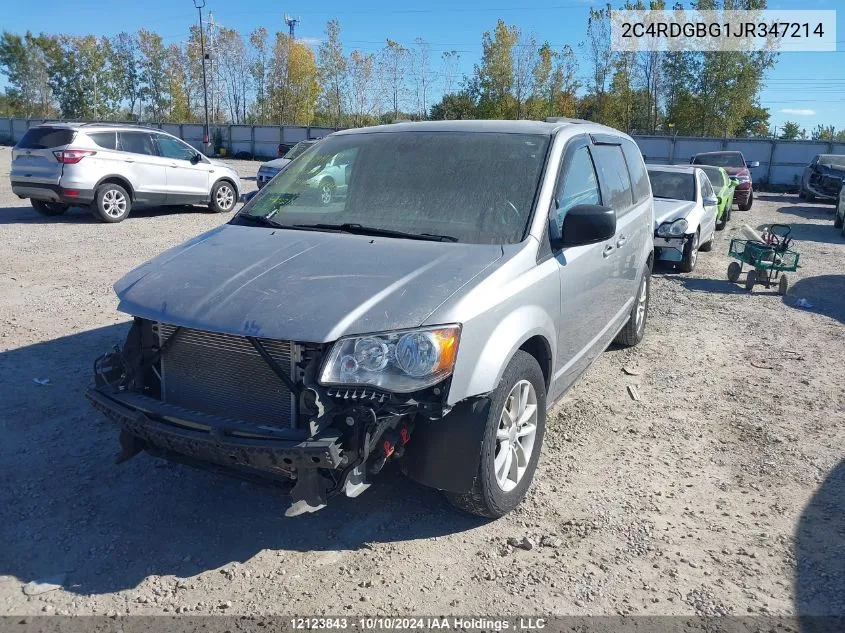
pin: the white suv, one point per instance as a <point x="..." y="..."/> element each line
<point x="112" y="167"/>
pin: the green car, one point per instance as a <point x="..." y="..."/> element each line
<point x="724" y="187"/>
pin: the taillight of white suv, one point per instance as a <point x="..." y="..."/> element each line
<point x="72" y="156"/>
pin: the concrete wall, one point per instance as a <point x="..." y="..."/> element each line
<point x="259" y="140"/>
<point x="781" y="162"/>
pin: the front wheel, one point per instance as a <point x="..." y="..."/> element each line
<point x="327" y="188"/>
<point x="49" y="208"/>
<point x="223" y="197"/>
<point x="513" y="435"/>
<point x="690" y="254"/>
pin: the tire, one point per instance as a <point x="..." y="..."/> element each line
<point x="728" y="213"/>
<point x="223" y="197"/>
<point x="634" y="329"/>
<point x="708" y="245"/>
<point x="783" y="285"/>
<point x="112" y="203"/>
<point x="809" y="197"/>
<point x="49" y="208"/>
<point x="490" y="498"/>
<point x="747" y="205"/>
<point x="802" y="195"/>
<point x="687" y="264"/>
<point x="840" y="207"/>
<point x="750" y="280"/>
<point x="326" y="190"/>
<point x="720" y="225"/>
<point x="734" y="271"/>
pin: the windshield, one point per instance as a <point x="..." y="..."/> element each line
<point x="298" y="149"/>
<point x="720" y="159"/>
<point x="672" y="185"/>
<point x="714" y="175"/>
<point x="474" y="187"/>
<point x="832" y="159"/>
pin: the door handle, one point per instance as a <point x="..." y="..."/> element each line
<point x="128" y="160"/>
<point x="174" y="165"/>
<point x="607" y="250"/>
<point x="621" y="241"/>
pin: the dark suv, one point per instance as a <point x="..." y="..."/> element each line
<point x="734" y="163"/>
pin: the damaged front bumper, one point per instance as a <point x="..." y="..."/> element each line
<point x="340" y="441"/>
<point x="671" y="249"/>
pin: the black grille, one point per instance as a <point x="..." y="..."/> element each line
<point x="224" y="375"/>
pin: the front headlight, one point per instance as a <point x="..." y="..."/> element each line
<point x="402" y="362"/>
<point x="672" y="229"/>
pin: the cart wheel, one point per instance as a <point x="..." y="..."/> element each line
<point x="734" y="271"/>
<point x="783" y="285"/>
<point x="750" y="280"/>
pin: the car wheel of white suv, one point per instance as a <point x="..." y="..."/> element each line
<point x="516" y="423"/>
<point x="222" y="197"/>
<point x="112" y="203"/>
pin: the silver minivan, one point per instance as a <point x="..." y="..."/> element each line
<point x="431" y="316"/>
<point x="111" y="167"/>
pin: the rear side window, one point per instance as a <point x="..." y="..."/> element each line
<point x="46" y="137"/>
<point x="636" y="168"/>
<point x="614" y="176"/>
<point x="106" y="140"/>
<point x="137" y="143"/>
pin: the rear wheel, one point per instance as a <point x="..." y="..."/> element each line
<point x="327" y="188"/>
<point x="513" y="435"/>
<point x="634" y="329"/>
<point x="112" y="203"/>
<point x="222" y="197"/>
<point x="747" y="205"/>
<point x="49" y="208"/>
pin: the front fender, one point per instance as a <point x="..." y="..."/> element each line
<point x="485" y="367"/>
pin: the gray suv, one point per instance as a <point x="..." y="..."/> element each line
<point x="431" y="316"/>
<point x="112" y="167"/>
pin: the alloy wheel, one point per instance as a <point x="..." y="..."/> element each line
<point x="515" y="435"/>
<point x="114" y="203"/>
<point x="225" y="197"/>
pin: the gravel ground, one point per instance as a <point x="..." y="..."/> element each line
<point x="721" y="491"/>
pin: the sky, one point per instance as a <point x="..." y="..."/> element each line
<point x="803" y="87"/>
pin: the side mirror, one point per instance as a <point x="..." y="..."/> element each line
<point x="584" y="224"/>
<point x="710" y="201"/>
<point x="734" y="182"/>
<point x="753" y="163"/>
<point x="196" y="158"/>
<point x="719" y="200"/>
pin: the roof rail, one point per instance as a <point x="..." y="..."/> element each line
<point x="565" y="119"/>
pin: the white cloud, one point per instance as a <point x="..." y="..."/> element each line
<point x="799" y="111"/>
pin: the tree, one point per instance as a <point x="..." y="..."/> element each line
<point x="420" y="58"/>
<point x="258" y="69"/>
<point x="393" y="70"/>
<point x="24" y="62"/>
<point x="453" y="106"/>
<point x="450" y="61"/>
<point x="823" y="133"/>
<point x="123" y="64"/>
<point x="233" y="67"/>
<point x="494" y="77"/>
<point x="524" y="66"/>
<point x="790" y="131"/>
<point x="332" y="70"/>
<point x="153" y="77"/>
<point x="363" y="96"/>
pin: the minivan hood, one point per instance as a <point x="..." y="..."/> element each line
<point x="299" y="285"/>
<point x="666" y="210"/>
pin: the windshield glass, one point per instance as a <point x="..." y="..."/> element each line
<point x="714" y="176"/>
<point x="474" y="187"/>
<point x="720" y="159"/>
<point x="298" y="149"/>
<point x="832" y="159"/>
<point x="672" y="185"/>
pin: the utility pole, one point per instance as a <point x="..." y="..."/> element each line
<point x="291" y="22"/>
<point x="199" y="4"/>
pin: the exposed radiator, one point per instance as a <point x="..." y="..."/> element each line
<point x="224" y="375"/>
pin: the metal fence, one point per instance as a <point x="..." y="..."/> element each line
<point x="258" y="140"/>
<point x="781" y="162"/>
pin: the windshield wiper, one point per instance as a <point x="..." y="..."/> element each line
<point x="261" y="220"/>
<point x="360" y="229"/>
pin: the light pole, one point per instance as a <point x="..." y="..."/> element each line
<point x="199" y="4"/>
